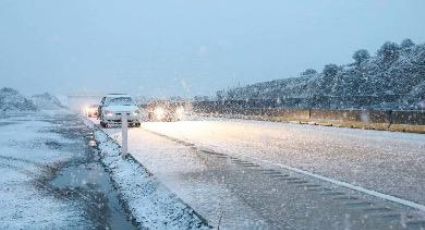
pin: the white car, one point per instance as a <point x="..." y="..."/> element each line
<point x="113" y="106"/>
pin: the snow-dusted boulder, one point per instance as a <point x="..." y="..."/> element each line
<point x="46" y="101"/>
<point x="11" y="100"/>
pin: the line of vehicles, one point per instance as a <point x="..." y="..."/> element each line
<point x="113" y="107"/>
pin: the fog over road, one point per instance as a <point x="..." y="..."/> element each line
<point x="236" y="173"/>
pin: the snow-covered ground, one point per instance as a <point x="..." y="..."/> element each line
<point x="151" y="203"/>
<point x="181" y="171"/>
<point x="52" y="178"/>
<point x="235" y="173"/>
<point x="30" y="148"/>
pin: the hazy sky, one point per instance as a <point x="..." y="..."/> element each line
<point x="187" y="47"/>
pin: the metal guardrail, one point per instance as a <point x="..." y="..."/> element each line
<point x="410" y="117"/>
<point x="328" y="102"/>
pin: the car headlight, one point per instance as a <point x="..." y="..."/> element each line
<point x="180" y="112"/>
<point x="159" y="113"/>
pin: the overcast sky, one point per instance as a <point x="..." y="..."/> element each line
<point x="187" y="47"/>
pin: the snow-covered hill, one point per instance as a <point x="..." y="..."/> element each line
<point x="11" y="100"/>
<point x="46" y="101"/>
<point x="394" y="77"/>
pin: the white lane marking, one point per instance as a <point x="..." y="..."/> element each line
<point x="394" y="199"/>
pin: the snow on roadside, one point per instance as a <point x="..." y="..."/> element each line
<point x="46" y="101"/>
<point x="11" y="100"/>
<point x="151" y="203"/>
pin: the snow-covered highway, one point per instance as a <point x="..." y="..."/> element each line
<point x="251" y="174"/>
<point x="393" y="163"/>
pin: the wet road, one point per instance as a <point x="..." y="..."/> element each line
<point x="86" y="181"/>
<point x="230" y="172"/>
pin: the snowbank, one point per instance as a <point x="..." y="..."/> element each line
<point x="151" y="203"/>
<point x="46" y="101"/>
<point x="11" y="100"/>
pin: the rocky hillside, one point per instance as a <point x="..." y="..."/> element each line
<point x="394" y="77"/>
<point x="11" y="100"/>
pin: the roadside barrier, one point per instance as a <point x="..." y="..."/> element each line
<point x="391" y="120"/>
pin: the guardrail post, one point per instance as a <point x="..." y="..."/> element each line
<point x="390" y="118"/>
<point x="124" y="135"/>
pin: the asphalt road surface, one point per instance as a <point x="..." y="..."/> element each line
<point x="285" y="176"/>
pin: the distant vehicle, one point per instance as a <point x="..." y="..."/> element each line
<point x="163" y="110"/>
<point x="91" y="111"/>
<point x="113" y="106"/>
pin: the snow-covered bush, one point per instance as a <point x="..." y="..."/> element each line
<point x="389" y="52"/>
<point x="46" y="101"/>
<point x="373" y="81"/>
<point x="361" y="55"/>
<point x="407" y="43"/>
<point x="11" y="100"/>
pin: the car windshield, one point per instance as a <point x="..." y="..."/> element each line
<point x="120" y="101"/>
